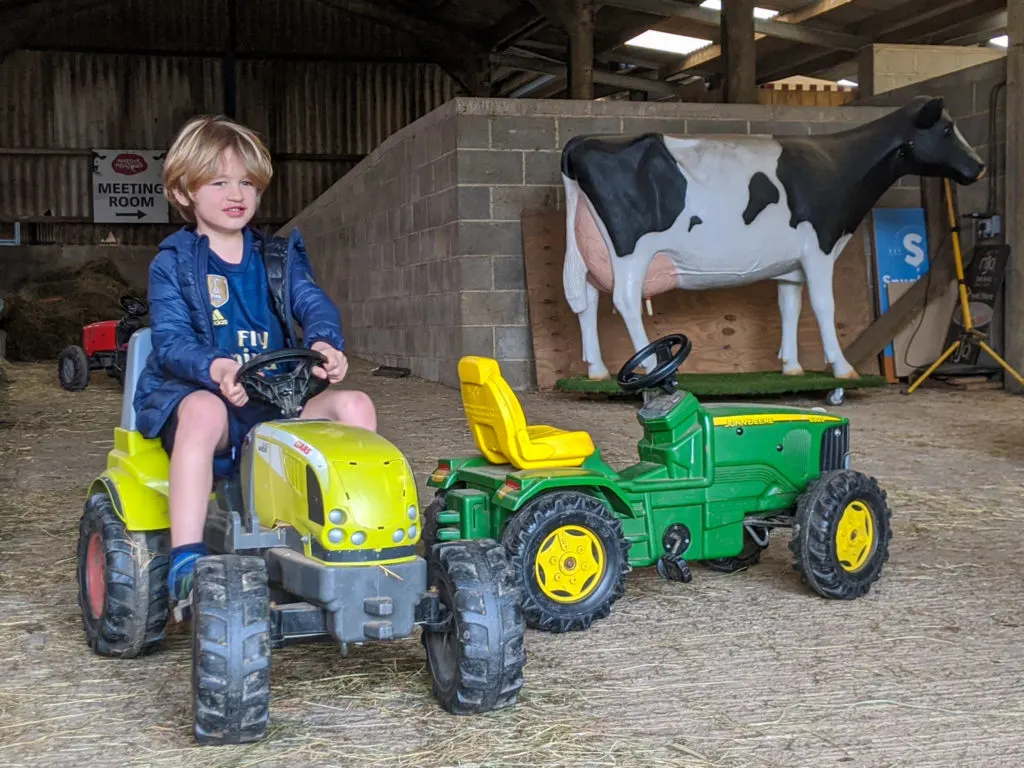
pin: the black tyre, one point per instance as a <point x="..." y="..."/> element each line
<point x="841" y="534"/>
<point x="748" y="556"/>
<point x="570" y="559"/>
<point x="230" y="650"/>
<point x="122" y="582"/>
<point x="73" y="368"/>
<point x="477" y="660"/>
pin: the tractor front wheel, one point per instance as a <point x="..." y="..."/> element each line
<point x="570" y="559"/>
<point x="841" y="534"/>
<point x="476" y="652"/>
<point x="73" y="368"/>
<point x="230" y="650"/>
<point x="122" y="582"/>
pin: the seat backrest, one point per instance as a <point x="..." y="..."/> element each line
<point x="492" y="409"/>
<point x="139" y="347"/>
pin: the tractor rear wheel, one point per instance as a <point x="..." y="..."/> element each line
<point x="476" y="658"/>
<point x="230" y="650"/>
<point x="73" y="368"/>
<point x="122" y="582"/>
<point x="570" y="559"/>
<point x="841" y="534"/>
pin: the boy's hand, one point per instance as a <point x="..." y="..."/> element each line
<point x="335" y="368"/>
<point x="223" y="372"/>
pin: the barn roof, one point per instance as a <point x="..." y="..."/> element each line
<point x="522" y="38"/>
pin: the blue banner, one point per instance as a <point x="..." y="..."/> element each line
<point x="901" y="251"/>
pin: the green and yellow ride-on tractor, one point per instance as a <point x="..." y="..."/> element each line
<point x="313" y="540"/>
<point x="711" y="483"/>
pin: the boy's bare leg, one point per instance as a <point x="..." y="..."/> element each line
<point x="202" y="431"/>
<point x="343" y="406"/>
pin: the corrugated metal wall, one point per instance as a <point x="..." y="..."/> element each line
<point x="319" y="117"/>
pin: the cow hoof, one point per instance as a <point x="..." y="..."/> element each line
<point x="851" y="374"/>
<point x="795" y="371"/>
<point x="597" y="374"/>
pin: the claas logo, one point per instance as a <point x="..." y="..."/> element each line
<point x="129" y="164"/>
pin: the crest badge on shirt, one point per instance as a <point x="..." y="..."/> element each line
<point x="217" y="286"/>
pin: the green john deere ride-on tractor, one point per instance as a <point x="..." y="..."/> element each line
<point x="711" y="483"/>
<point x="314" y="540"/>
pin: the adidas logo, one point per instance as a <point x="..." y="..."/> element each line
<point x="218" y="318"/>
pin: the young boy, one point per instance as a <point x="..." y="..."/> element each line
<point x="210" y="311"/>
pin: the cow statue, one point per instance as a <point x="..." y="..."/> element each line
<point x="649" y="213"/>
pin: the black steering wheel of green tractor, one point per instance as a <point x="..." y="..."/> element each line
<point x="287" y="389"/>
<point x="664" y="373"/>
<point x="134" y="306"/>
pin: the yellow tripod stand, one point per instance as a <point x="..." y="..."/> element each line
<point x="969" y="329"/>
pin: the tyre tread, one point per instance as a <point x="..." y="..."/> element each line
<point x="813" y="537"/>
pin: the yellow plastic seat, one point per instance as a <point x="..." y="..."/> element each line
<point x="499" y="426"/>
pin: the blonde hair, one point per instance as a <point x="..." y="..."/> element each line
<point x="194" y="158"/>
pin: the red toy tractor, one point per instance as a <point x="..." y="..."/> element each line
<point x="104" y="347"/>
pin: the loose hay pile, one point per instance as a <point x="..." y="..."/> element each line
<point x="46" y="314"/>
<point x="729" y="671"/>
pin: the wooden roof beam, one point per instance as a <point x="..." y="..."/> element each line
<point x="427" y="30"/>
<point x="986" y="15"/>
<point x="798" y="33"/>
<point x="626" y="82"/>
<point x="706" y="55"/>
<point x="887" y="27"/>
<point x="522" y="21"/>
<point x="18" y="26"/>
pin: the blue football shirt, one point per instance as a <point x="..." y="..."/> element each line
<point x="244" y="322"/>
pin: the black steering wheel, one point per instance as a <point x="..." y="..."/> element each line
<point x="134" y="306"/>
<point x="664" y="373"/>
<point x="288" y="390"/>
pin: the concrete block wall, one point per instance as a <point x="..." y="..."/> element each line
<point x="883" y="67"/>
<point x="383" y="242"/>
<point x="421" y="243"/>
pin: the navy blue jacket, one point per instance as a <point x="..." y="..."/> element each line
<point x="182" y="326"/>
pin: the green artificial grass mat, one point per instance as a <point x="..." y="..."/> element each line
<point x="714" y="384"/>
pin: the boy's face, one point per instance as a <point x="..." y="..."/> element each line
<point x="226" y="203"/>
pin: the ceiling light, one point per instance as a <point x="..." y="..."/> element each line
<point x="759" y="13"/>
<point x="1002" y="41"/>
<point x="665" y="41"/>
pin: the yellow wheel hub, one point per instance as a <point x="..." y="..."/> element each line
<point x="855" y="536"/>
<point x="570" y="564"/>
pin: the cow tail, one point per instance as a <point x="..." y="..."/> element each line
<point x="574" y="270"/>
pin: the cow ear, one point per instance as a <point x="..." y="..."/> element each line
<point x="930" y="113"/>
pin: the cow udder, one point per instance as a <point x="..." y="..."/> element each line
<point x="661" y="274"/>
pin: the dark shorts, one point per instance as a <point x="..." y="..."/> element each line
<point x="240" y="421"/>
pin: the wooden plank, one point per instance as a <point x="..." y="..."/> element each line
<point x="878" y="334"/>
<point x="733" y="330"/>
<point x="920" y="343"/>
